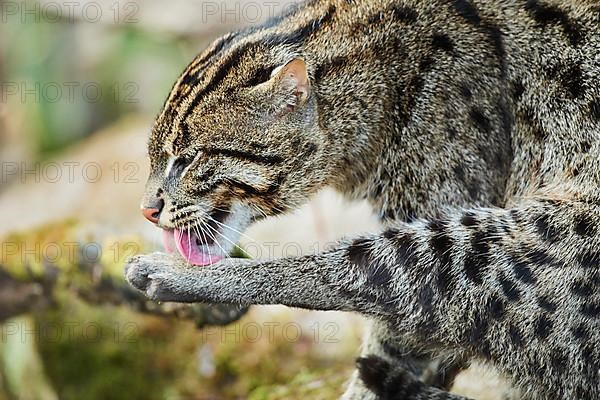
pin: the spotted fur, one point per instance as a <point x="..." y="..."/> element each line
<point x="473" y="129"/>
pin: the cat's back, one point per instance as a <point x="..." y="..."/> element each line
<point x="552" y="53"/>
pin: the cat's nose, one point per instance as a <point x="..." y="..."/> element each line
<point x="152" y="211"/>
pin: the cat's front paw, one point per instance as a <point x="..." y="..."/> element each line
<point x="141" y="271"/>
<point x="165" y="277"/>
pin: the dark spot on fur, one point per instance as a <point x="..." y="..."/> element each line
<point x="446" y="281"/>
<point x="426" y="64"/>
<point x="465" y="91"/>
<point x="469" y="219"/>
<point x="580" y="332"/>
<point x="389" y="214"/>
<point x="495" y="35"/>
<point x="459" y="172"/>
<point x="595" y="109"/>
<point x="425" y="299"/>
<point x="477" y="258"/>
<point x="391" y="348"/>
<point x="559" y="360"/>
<point x="442" y="41"/>
<point x="582" y="288"/>
<point x="584" y="226"/>
<point x="451" y="132"/>
<point x="545" y="14"/>
<point x="585" y="146"/>
<point x="518" y="90"/>
<point x="543" y="327"/>
<point x="509" y="288"/>
<point x="515" y="336"/>
<point x="542" y="259"/>
<point x="589" y="260"/>
<point x="377" y="17"/>
<point x="591" y="309"/>
<point x="546" y="230"/>
<point x="546" y="304"/>
<point x="441" y="242"/>
<point x="587" y="353"/>
<point x="507" y="122"/>
<point x="522" y="271"/>
<point x="259" y="76"/>
<point x="359" y="254"/>
<point x="404" y="14"/>
<point x="572" y="80"/>
<point x="405" y="253"/>
<point x="311" y="148"/>
<point x="331" y="66"/>
<point x="480" y="120"/>
<point x="570" y="77"/>
<point x="379" y="275"/>
<point x="258" y="145"/>
<point x="530" y="119"/>
<point x="391" y="233"/>
<point x="408" y="96"/>
<point x="478" y="329"/>
<point x="467" y="10"/>
<point x="495" y="307"/>
<point x="474" y="188"/>
<point x="575" y="171"/>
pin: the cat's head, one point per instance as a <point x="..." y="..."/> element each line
<point x="238" y="140"/>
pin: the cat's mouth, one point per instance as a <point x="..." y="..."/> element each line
<point x="208" y="239"/>
<point x="194" y="249"/>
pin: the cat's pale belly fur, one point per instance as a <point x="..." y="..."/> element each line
<point x="473" y="128"/>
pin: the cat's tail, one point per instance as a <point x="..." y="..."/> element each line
<point x="391" y="382"/>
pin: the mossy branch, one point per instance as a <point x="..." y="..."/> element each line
<point x="43" y="267"/>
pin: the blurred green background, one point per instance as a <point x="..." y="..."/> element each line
<point x="67" y="77"/>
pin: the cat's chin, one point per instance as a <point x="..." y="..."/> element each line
<point x="190" y="247"/>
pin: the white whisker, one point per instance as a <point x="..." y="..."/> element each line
<point x="217" y="243"/>
<point x="224" y="225"/>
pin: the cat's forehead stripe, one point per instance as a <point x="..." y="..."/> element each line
<point x="217" y="66"/>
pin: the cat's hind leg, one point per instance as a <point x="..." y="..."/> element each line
<point x="432" y="371"/>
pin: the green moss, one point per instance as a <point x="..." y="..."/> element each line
<point x="26" y="254"/>
<point x="54" y="242"/>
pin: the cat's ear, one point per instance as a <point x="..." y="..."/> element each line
<point x="292" y="81"/>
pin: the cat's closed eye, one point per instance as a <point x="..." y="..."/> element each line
<point x="178" y="165"/>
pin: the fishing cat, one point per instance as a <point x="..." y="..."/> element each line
<point x="473" y="129"/>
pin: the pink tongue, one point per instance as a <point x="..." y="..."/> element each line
<point x="190" y="251"/>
